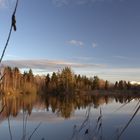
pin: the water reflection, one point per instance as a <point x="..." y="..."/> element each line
<point x="64" y="106"/>
<point x="74" y="112"/>
<point x="14" y="104"/>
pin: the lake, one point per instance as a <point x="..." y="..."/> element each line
<point x="83" y="117"/>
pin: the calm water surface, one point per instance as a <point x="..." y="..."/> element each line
<point x="80" y="118"/>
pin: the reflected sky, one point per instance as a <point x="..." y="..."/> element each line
<point x="54" y="126"/>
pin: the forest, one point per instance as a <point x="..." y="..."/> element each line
<point x="65" y="81"/>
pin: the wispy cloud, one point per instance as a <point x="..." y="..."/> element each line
<point x="76" y="43"/>
<point x="82" y="58"/>
<point x="39" y="64"/>
<point x="81" y="2"/>
<point x="6" y="3"/>
<point x="89" y="69"/>
<point x="124" y="70"/>
<point x="50" y="65"/>
<point x="94" y="45"/>
<point x="12" y="56"/>
<point x="60" y="3"/>
<point x="121" y="57"/>
<point x="129" y="74"/>
<point x="2" y="3"/>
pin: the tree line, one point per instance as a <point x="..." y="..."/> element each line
<point x="63" y="81"/>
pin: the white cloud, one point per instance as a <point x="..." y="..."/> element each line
<point x="94" y="45"/>
<point x="135" y="83"/>
<point x="76" y="43"/>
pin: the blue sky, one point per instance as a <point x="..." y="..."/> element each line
<point x="94" y="37"/>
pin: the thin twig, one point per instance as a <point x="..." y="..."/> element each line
<point x="122" y="106"/>
<point x="24" y="126"/>
<point x="99" y="122"/>
<point x="6" y="44"/>
<point x="2" y="109"/>
<point x="128" y="123"/>
<point x="101" y="136"/>
<point x="13" y="25"/>
<point x="34" y="131"/>
<point x="10" y="31"/>
<point x="74" y="132"/>
<point x="86" y="119"/>
<point x="137" y="104"/>
<point x="2" y="76"/>
<point x="10" y="128"/>
<point x="25" y="123"/>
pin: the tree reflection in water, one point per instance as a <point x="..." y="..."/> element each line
<point x="63" y="106"/>
<point x="13" y="105"/>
